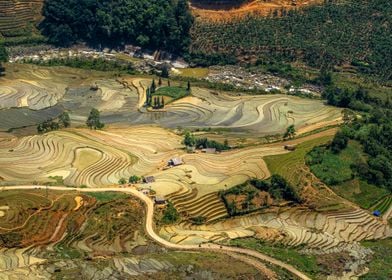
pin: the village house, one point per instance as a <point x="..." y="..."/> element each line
<point x="175" y="162"/>
<point x="209" y="150"/>
<point x="149" y="179"/>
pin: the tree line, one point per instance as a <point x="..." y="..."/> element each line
<point x="156" y="24"/>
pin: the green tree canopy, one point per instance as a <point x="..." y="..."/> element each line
<point x="157" y="24"/>
<point x="93" y="120"/>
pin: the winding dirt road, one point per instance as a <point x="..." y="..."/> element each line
<point x="249" y="255"/>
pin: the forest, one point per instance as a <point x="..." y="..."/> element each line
<point x="155" y="24"/>
<point x="353" y="32"/>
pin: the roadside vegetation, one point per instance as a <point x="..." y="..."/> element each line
<point x="170" y="214"/>
<point x="305" y="263"/>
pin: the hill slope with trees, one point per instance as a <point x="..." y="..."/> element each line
<point x="337" y="32"/>
<point x="156" y="24"/>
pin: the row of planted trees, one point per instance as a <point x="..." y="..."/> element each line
<point x="64" y="121"/>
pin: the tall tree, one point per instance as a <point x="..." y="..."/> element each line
<point x="290" y="132"/>
<point x="93" y="120"/>
<point x="64" y="120"/>
<point x="3" y="58"/>
<point x="153" y="86"/>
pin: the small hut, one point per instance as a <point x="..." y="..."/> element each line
<point x="290" y="147"/>
<point x="149" y="179"/>
<point x="175" y="162"/>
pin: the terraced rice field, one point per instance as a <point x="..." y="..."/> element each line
<point x="35" y="91"/>
<point x="320" y="232"/>
<point x="36" y="218"/>
<point x="19" y="15"/>
<point x="265" y="115"/>
<point x="384" y="206"/>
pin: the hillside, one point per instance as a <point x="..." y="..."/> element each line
<point x="224" y="10"/>
<point x="19" y="17"/>
<point x="353" y="32"/>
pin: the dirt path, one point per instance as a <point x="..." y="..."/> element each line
<point x="249" y="255"/>
<point x="141" y="91"/>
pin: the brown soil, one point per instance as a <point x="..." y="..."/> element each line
<point x="333" y="262"/>
<point x="255" y="7"/>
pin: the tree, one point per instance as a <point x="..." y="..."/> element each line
<point x="170" y="215"/>
<point x="158" y="105"/>
<point x="165" y="72"/>
<point x="153" y="24"/>
<point x="339" y="142"/>
<point x="188" y="87"/>
<point x="134" y="179"/>
<point x="290" y="132"/>
<point x="162" y="102"/>
<point x="93" y="120"/>
<point x="148" y="97"/>
<point x="153" y="86"/>
<point x="325" y="77"/>
<point x="122" y="181"/>
<point x="3" y="58"/>
<point x="189" y="139"/>
<point x="64" y="120"/>
<point x="160" y="81"/>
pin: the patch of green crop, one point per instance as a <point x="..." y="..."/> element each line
<point x="107" y="196"/>
<point x="381" y="262"/>
<point x="174" y="92"/>
<point x="305" y="263"/>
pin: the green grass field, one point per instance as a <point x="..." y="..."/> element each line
<point x="381" y="263"/>
<point x="107" y="196"/>
<point x="305" y="263"/>
<point x="174" y="92"/>
<point x="360" y="192"/>
<point x="382" y="204"/>
<point x="353" y="82"/>
<point x="332" y="168"/>
<point x="288" y="165"/>
<point x="193" y="72"/>
<point x="335" y="171"/>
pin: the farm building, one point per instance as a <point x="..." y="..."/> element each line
<point x="290" y="147"/>
<point x="160" y="200"/>
<point x="145" y="191"/>
<point x="149" y="179"/>
<point x="175" y="162"/>
<point x="209" y="150"/>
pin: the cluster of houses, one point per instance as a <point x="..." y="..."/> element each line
<point x="159" y="200"/>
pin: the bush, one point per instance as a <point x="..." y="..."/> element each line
<point x="134" y="179"/>
<point x="170" y="215"/>
<point x="339" y="142"/>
